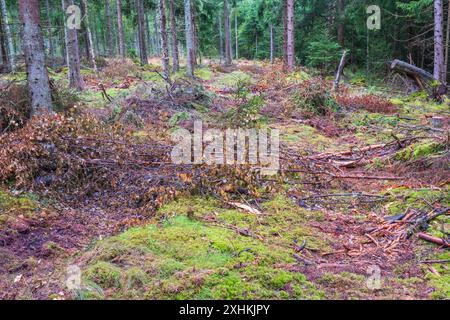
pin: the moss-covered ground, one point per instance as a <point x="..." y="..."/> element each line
<point x="201" y="247"/>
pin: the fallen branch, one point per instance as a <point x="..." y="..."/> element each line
<point x="436" y="240"/>
<point x="368" y="177"/>
<point x="434" y="261"/>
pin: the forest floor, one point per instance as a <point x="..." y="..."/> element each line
<point x="363" y="175"/>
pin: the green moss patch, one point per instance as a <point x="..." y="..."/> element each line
<point x="305" y="137"/>
<point x="195" y="250"/>
<point x="228" y="80"/>
<point x="441" y="282"/>
<point x="12" y="207"/>
<point x="403" y="198"/>
<point x="419" y="150"/>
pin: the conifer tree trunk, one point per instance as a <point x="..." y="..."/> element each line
<point x="221" y="39"/>
<point x="8" y="35"/>
<point x="290" y="43"/>
<point x="439" y="72"/>
<point x="90" y="43"/>
<point x="285" y="28"/>
<point x="271" y="44"/>
<point x="173" y="30"/>
<point x="226" y="21"/>
<point x="120" y="30"/>
<point x="33" y="47"/>
<point x="194" y="34"/>
<point x="164" y="40"/>
<point x="157" y="35"/>
<point x="147" y="34"/>
<point x="51" y="49"/>
<point x="236" y="33"/>
<point x="3" y="49"/>
<point x="341" y="23"/>
<point x="141" y="31"/>
<point x="447" y="42"/>
<point x="109" y="41"/>
<point x="189" y="38"/>
<point x="73" y="53"/>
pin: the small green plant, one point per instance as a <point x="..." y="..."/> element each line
<point x="179" y="117"/>
<point x="314" y="96"/>
<point x="64" y="97"/>
<point x="247" y="112"/>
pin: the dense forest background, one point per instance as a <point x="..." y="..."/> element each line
<point x="322" y="30"/>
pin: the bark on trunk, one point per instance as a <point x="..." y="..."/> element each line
<point x="340" y="23"/>
<point x="447" y="42"/>
<point x="157" y="36"/>
<point x="290" y="36"/>
<point x="51" y="49"/>
<point x="120" y="30"/>
<point x="271" y="44"/>
<point x="90" y="44"/>
<point x="285" y="28"/>
<point x="33" y="47"/>
<point x="439" y="72"/>
<point x="109" y="40"/>
<point x="141" y="32"/>
<point x="84" y="33"/>
<point x="173" y="30"/>
<point x="339" y="72"/>
<point x="150" y="38"/>
<point x="189" y="38"/>
<point x="256" y="47"/>
<point x="3" y="49"/>
<point x="236" y="33"/>
<point x="194" y="35"/>
<point x="411" y="70"/>
<point x="164" y="40"/>
<point x="222" y="55"/>
<point x="226" y="22"/>
<point x="11" y="57"/>
<point x="73" y="53"/>
<point x="147" y="34"/>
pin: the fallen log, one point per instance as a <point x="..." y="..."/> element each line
<point x="432" y="239"/>
<point x="411" y="70"/>
<point x="422" y="77"/>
